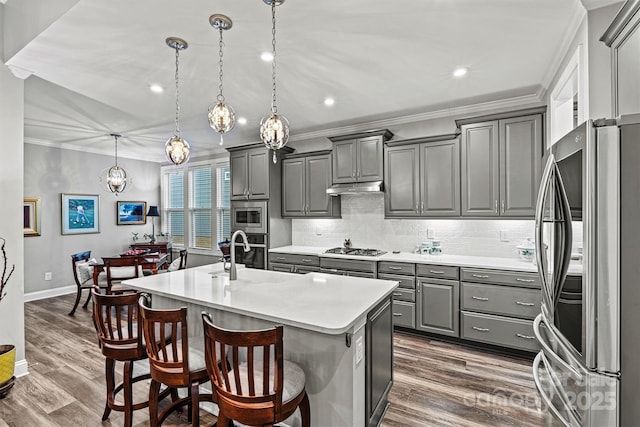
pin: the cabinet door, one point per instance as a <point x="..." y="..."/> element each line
<point x="626" y="69"/>
<point x="344" y="161"/>
<point x="369" y="155"/>
<point x="438" y="306"/>
<point x="401" y="178"/>
<point x="480" y="169"/>
<point x="318" y="179"/>
<point x="379" y="361"/>
<point x="259" y="174"/>
<point x="239" y="175"/>
<point x="520" y="164"/>
<point x="440" y="178"/>
<point x="293" y="187"/>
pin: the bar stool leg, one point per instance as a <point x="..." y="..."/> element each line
<point x="154" y="392"/>
<point x="109" y="368"/>
<point x="128" y="393"/>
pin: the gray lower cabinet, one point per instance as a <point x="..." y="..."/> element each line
<point x="499" y="330"/>
<point x="379" y="357"/>
<point x="293" y="263"/>
<point x="349" y="267"/>
<point x="404" y="296"/>
<point x="438" y="306"/>
<point x="423" y="179"/>
<point x="501" y="164"/>
<point x="304" y="187"/>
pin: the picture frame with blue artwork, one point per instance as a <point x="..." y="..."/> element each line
<point x="131" y="213"/>
<point x="80" y="213"/>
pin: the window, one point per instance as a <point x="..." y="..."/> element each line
<point x="188" y="209"/>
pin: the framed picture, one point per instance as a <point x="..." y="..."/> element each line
<point x="131" y="213"/>
<point x="31" y="216"/>
<point x="80" y="213"/>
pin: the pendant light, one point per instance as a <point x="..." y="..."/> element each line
<point x="177" y="149"/>
<point x="116" y="178"/>
<point x="222" y="117"/>
<point x="274" y="128"/>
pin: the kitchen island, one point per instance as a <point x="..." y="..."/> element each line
<point x="338" y="329"/>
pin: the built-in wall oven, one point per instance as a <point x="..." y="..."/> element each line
<point x="250" y="216"/>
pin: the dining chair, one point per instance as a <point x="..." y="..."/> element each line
<point x="253" y="383"/>
<point x="179" y="263"/>
<point x="119" y="269"/>
<point x="172" y="361"/>
<point x="116" y="319"/>
<point x="83" y="276"/>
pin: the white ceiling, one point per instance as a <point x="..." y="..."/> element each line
<point x="92" y="67"/>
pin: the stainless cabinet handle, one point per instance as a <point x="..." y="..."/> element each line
<point x="397" y="294"/>
<point x="480" y="276"/>
<point x="480" y="329"/>
<point x="333" y="270"/>
<point x="502" y="205"/>
<point x="479" y="298"/>
<point x="353" y="174"/>
<point x="496" y="206"/>
<point x="306" y="260"/>
<point x="357" y="173"/>
<point x="422" y="207"/>
<point x="397" y="314"/>
<point x="417" y="209"/>
<point x="436" y="271"/>
<point x="526" y="337"/>
<point x="525" y="280"/>
<point x="395" y="268"/>
<point x="281" y="258"/>
<point x="526" y="304"/>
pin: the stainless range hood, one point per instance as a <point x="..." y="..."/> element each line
<point x="355" y="188"/>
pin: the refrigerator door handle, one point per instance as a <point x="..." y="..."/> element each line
<point x="539" y="243"/>
<point x="566" y="239"/>
<point x="541" y="359"/>
<point x="553" y="353"/>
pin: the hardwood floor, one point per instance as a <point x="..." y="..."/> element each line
<point x="436" y="383"/>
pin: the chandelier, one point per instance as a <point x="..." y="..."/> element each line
<point x="274" y="128"/>
<point x="222" y="117"/>
<point x="116" y="178"/>
<point x="176" y="148"/>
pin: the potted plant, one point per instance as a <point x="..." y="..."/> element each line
<point x="7" y="352"/>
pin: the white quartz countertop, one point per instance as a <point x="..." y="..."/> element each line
<point x="315" y="301"/>
<point x="511" y="264"/>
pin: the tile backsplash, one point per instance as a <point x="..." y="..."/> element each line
<point x="364" y="223"/>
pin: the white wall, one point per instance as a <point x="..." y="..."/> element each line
<point x="11" y="186"/>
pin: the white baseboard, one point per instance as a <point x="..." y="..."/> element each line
<point x="21" y="369"/>
<point x="49" y="293"/>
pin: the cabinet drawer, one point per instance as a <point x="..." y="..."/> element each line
<point x="348" y="264"/>
<point x="303" y="269"/>
<point x="505" y="331"/>
<point x="505" y="300"/>
<point x="405" y="281"/>
<point x="285" y="268"/>
<point x="404" y="314"/>
<point x="397" y="268"/>
<point x="437" y="271"/>
<point x="312" y="260"/>
<point x="500" y="277"/>
<point x="408" y="295"/>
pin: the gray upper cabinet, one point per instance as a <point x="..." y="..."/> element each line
<point x="623" y="36"/>
<point x="358" y="157"/>
<point x="501" y="166"/>
<point x="423" y="179"/>
<point x="253" y="173"/>
<point x="305" y="180"/>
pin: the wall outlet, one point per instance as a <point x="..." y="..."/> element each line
<point x="318" y="232"/>
<point x="431" y="233"/>
<point x="359" y="350"/>
<point x="504" y="237"/>
<point x="47" y="275"/>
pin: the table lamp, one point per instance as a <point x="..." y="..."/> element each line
<point x="153" y="212"/>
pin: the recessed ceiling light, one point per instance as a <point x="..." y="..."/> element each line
<point x="155" y="88"/>
<point x="242" y="120"/>
<point x="459" y="72"/>
<point x="329" y="102"/>
<point x="266" y="56"/>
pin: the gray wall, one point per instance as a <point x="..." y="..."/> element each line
<point x="50" y="171"/>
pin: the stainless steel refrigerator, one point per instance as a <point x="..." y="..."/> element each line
<point x="588" y="371"/>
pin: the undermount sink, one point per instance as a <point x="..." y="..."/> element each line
<point x="252" y="275"/>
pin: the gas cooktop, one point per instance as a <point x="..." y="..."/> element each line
<point x="355" y="251"/>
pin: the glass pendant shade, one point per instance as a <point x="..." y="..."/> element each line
<point x="274" y="131"/>
<point x="177" y="150"/>
<point x="222" y="118"/>
<point x="116" y="179"/>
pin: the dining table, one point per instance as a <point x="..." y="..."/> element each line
<point x="149" y="261"/>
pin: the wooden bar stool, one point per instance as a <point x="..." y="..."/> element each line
<point x="116" y="319"/>
<point x="171" y="361"/>
<point x="261" y="391"/>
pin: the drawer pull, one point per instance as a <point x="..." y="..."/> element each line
<point x="526" y="337"/>
<point x="526" y="304"/>
<point x="395" y="268"/>
<point x="480" y="298"/>
<point x="525" y="280"/>
<point x="436" y="271"/>
<point x="397" y="314"/>
<point x="281" y="258"/>
<point x="397" y="294"/>
<point x="480" y="329"/>
<point x="306" y="260"/>
<point x="480" y="276"/>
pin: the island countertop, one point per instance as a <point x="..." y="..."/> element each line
<point x="315" y="301"/>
